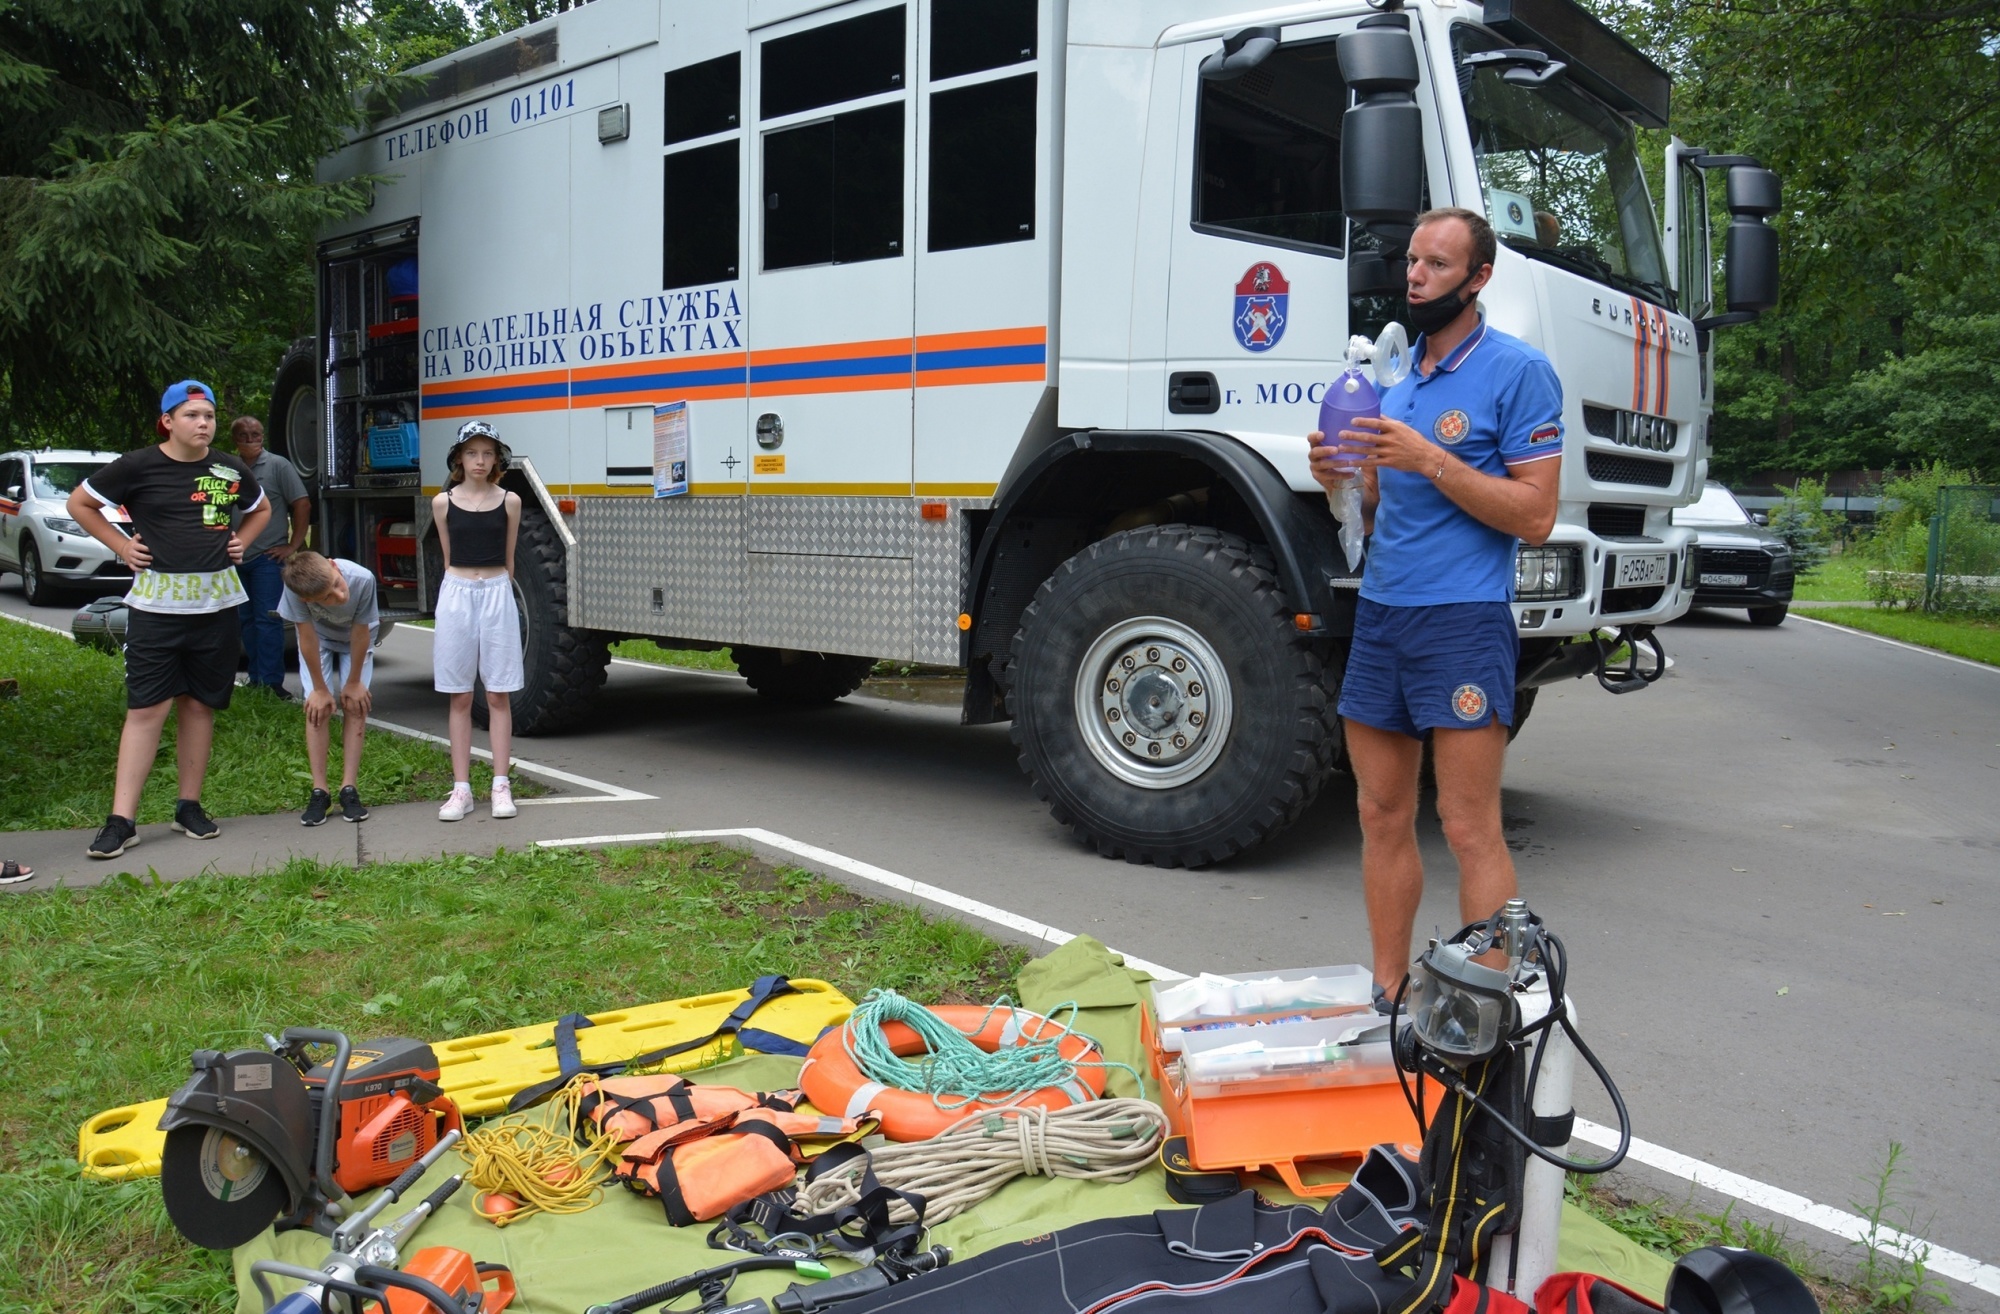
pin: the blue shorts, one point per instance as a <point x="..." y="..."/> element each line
<point x="1413" y="669"/>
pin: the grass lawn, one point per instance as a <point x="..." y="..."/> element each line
<point x="645" y="650"/>
<point x="72" y="707"/>
<point x="113" y="988"/>
<point x="1844" y="578"/>
<point x="1978" y="640"/>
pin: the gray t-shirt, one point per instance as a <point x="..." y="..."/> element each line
<point x="278" y="479"/>
<point x="334" y="624"/>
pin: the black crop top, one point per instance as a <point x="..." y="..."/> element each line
<point x="478" y="538"/>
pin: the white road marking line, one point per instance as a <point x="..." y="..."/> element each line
<point x="674" y="670"/>
<point x="606" y="793"/>
<point x="1951" y="1264"/>
<point x="1948" y="1263"/>
<point x="1898" y="643"/>
<point x="1049" y="935"/>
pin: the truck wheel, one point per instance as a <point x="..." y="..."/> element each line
<point x="1164" y="705"/>
<point x="294" y="428"/>
<point x="564" y="667"/>
<point x="801" y="679"/>
<point x="1768" y="616"/>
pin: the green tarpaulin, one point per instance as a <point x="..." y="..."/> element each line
<point x="565" y="1264"/>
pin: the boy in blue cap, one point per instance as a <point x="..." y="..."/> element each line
<point x="181" y="636"/>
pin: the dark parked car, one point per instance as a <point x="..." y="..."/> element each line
<point x="1738" y="563"/>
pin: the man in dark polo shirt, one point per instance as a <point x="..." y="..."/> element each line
<point x="1460" y="470"/>
<point x="181" y="636"/>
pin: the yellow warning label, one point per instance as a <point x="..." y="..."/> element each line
<point x="767" y="465"/>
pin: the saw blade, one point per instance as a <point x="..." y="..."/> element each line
<point x="219" y="1189"/>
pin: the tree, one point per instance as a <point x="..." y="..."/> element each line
<point x="157" y="199"/>
<point x="1883" y="119"/>
<point x="405" y="33"/>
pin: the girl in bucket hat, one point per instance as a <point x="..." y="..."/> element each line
<point x="478" y="634"/>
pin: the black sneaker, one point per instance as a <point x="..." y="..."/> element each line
<point x="316" y="807"/>
<point x="351" y="806"/>
<point x="192" y="822"/>
<point x="118" y="835"/>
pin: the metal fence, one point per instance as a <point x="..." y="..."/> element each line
<point x="1962" y="559"/>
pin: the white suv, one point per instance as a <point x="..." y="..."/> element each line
<point x="38" y="541"/>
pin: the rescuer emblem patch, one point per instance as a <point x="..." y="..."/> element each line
<point x="1468" y="702"/>
<point x="1451" y="426"/>
<point x="1262" y="304"/>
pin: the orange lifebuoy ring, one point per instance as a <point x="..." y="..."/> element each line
<point x="834" y="1084"/>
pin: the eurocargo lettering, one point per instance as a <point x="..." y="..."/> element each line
<point x="999" y="325"/>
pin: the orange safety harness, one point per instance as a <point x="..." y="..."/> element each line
<point x="702" y="1150"/>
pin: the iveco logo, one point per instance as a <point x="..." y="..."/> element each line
<point x="1654" y="433"/>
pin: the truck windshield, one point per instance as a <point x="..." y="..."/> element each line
<point x="1561" y="176"/>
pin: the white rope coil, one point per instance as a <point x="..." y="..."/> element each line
<point x="1104" y="1140"/>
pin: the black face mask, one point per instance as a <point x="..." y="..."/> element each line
<point x="1432" y="315"/>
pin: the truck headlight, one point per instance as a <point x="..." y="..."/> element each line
<point x="1548" y="573"/>
<point x="62" y="525"/>
<point x="1689" y="570"/>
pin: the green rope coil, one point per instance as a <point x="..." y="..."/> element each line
<point x="953" y="1071"/>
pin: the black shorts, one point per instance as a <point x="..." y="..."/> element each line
<point x="168" y="654"/>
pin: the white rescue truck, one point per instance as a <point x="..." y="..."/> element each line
<point x="999" y="325"/>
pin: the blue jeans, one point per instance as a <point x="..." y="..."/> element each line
<point x="263" y="632"/>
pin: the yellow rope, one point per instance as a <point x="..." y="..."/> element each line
<point x="537" y="1161"/>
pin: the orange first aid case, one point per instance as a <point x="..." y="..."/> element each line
<point x="1297" y="1135"/>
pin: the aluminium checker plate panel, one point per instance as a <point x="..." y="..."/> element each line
<point x="864" y="576"/>
<point x="690" y="549"/>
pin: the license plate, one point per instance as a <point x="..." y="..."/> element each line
<point x="1651" y="569"/>
<point x="1726" y="581"/>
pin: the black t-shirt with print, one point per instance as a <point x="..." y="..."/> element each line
<point x="181" y="509"/>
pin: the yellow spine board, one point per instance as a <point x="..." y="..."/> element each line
<point x="481" y="1073"/>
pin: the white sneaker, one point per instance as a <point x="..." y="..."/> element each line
<point x="458" y="807"/>
<point x="503" y="801"/>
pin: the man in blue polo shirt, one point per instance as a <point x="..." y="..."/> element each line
<point x="1459" y="470"/>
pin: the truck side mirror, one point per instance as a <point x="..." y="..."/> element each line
<point x="13" y="492"/>
<point x="1382" y="134"/>
<point x="1750" y="250"/>
<point x="1750" y="247"/>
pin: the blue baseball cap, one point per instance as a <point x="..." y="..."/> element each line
<point x="178" y="394"/>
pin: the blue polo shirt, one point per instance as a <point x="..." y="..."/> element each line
<point x="1494" y="403"/>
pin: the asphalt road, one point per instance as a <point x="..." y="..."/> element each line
<point x="1778" y="873"/>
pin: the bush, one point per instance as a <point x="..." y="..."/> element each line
<point x="1898" y="551"/>
<point x="1801" y="519"/>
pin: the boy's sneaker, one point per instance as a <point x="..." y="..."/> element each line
<point x="351" y="806"/>
<point x="458" y="807"/>
<point x="118" y="835"/>
<point x="316" y="807"/>
<point x="192" y="822"/>
<point x="503" y="801"/>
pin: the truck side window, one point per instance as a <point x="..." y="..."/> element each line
<point x="833" y="190"/>
<point x="826" y="65"/>
<point x="1267" y="152"/>
<point x="983" y="164"/>
<point x="969" y="36"/>
<point x="701" y="209"/>
<point x="704" y="99"/>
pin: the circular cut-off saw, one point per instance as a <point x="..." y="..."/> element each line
<point x="258" y="1136"/>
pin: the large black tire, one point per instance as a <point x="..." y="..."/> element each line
<point x="1770" y="616"/>
<point x="293" y="429"/>
<point x="564" y="668"/>
<point x="1224" y="722"/>
<point x="801" y="679"/>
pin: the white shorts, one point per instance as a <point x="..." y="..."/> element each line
<point x="335" y="669"/>
<point x="478" y="634"/>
